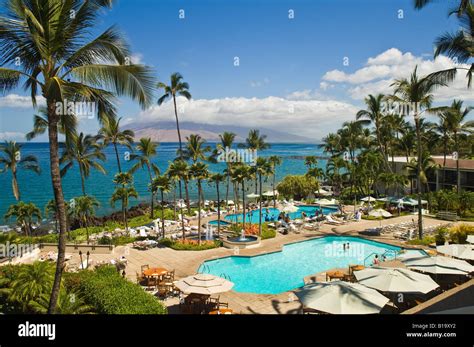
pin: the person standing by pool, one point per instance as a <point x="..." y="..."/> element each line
<point x="376" y="260"/>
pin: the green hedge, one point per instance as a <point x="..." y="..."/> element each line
<point x="109" y="293"/>
<point x="188" y="245"/>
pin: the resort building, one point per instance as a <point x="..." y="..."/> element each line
<point x="444" y="176"/>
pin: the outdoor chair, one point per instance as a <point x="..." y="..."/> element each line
<point x="145" y="267"/>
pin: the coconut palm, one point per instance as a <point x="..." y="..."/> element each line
<point x="11" y="159"/>
<point x="86" y="153"/>
<point x="417" y="91"/>
<point x="227" y="140"/>
<point x="123" y="193"/>
<point x="67" y="124"/>
<point x="427" y="165"/>
<point x="196" y="149"/>
<point x="274" y="161"/>
<point x="83" y="208"/>
<point x="110" y="133"/>
<point x="163" y="184"/>
<point x="69" y="302"/>
<point x="177" y="87"/>
<point x="146" y="149"/>
<point x="241" y="173"/>
<point x="334" y="168"/>
<point x="310" y="161"/>
<point x="463" y="4"/>
<point x="178" y="170"/>
<point x="217" y="179"/>
<point x="263" y="168"/>
<point x="255" y="142"/>
<point x="198" y="171"/>
<point x="74" y="67"/>
<point x="25" y="214"/>
<point x="332" y="144"/>
<point x="51" y="211"/>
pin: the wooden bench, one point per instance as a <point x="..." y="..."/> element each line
<point x="445" y="215"/>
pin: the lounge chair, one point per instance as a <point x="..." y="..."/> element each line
<point x="332" y="221"/>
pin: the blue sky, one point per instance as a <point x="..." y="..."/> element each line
<point x="282" y="60"/>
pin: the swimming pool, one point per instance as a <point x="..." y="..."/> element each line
<point x="223" y="222"/>
<point x="279" y="272"/>
<point x="272" y="214"/>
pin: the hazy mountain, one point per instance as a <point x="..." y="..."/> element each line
<point x="166" y="132"/>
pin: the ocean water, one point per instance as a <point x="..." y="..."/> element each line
<point x="37" y="188"/>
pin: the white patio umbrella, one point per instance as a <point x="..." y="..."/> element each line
<point x="230" y="202"/>
<point x="323" y="202"/>
<point x="322" y="192"/>
<point x="252" y="196"/>
<point x="340" y="297"/>
<point x="395" y="280"/>
<point x="204" y="284"/>
<point x="290" y="208"/>
<point x="470" y="239"/>
<point x="457" y="251"/>
<point x="368" y="199"/>
<point x="270" y="193"/>
<point x="439" y="265"/>
<point x="380" y="213"/>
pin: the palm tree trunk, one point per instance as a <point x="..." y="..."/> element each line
<point x="83" y="184"/>
<point x="273" y="191"/>
<point x="60" y="205"/>
<point x="243" y="203"/>
<point x="183" y="231"/>
<point x="260" y="206"/>
<point x="227" y="190"/>
<point x="418" y="176"/>
<point x="152" y="214"/>
<point x="16" y="189"/>
<point x="163" y="214"/>
<point x="124" y="212"/>
<point x="458" y="177"/>
<point x="218" y="211"/>
<point x="118" y="158"/>
<point x="199" y="212"/>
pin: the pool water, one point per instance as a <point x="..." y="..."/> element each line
<point x="271" y="214"/>
<point x="279" y="272"/>
<point x="223" y="222"/>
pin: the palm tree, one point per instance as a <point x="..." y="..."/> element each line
<point x="227" y="140"/>
<point x="334" y="167"/>
<point x="25" y="214"/>
<point x="50" y="210"/>
<point x="176" y="88"/>
<point x="110" y="133"/>
<point x="67" y="125"/>
<point x="124" y="193"/>
<point x="178" y="170"/>
<point x="86" y="152"/>
<point x="263" y="168"/>
<point x="417" y="91"/>
<point x="83" y="209"/>
<point x="241" y="173"/>
<point x="199" y="172"/>
<point x="274" y="161"/>
<point x="163" y="184"/>
<point x="255" y="142"/>
<point x="332" y="144"/>
<point x="427" y="164"/>
<point x="74" y="68"/>
<point x="458" y="45"/>
<point x="146" y="151"/>
<point x="69" y="302"/>
<point x="12" y="160"/>
<point x="195" y="150"/>
<point x="217" y="179"/>
<point x="374" y="114"/>
<point x="463" y="4"/>
<point x="310" y="161"/>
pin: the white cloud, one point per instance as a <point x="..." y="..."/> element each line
<point x="12" y="136"/>
<point x="304" y="116"/>
<point x="19" y="101"/>
<point x="137" y="58"/>
<point x="380" y="71"/>
<point x="256" y="84"/>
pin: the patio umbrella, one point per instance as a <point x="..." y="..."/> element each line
<point x="439" y="265"/>
<point x="230" y="202"/>
<point x="457" y="251"/>
<point x="290" y="208"/>
<point x="368" y="199"/>
<point x="395" y="280"/>
<point x="380" y="213"/>
<point x="322" y="192"/>
<point x="340" y="297"/>
<point x="253" y="196"/>
<point x="323" y="202"/>
<point x="204" y="284"/>
<point x="470" y="239"/>
<point x="270" y="193"/>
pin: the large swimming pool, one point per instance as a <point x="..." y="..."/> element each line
<point x="279" y="272"/>
<point x="271" y="214"/>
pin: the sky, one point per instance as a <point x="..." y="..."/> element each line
<point x="301" y="66"/>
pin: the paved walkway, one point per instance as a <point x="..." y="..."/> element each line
<point x="186" y="263"/>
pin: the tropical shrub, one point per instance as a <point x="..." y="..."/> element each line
<point x="441" y="235"/>
<point x="458" y="233"/>
<point x="109" y="293"/>
<point x="190" y="245"/>
<point x="297" y="186"/>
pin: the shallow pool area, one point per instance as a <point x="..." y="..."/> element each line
<point x="271" y="214"/>
<point x="279" y="272"/>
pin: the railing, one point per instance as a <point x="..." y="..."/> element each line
<point x="387" y="252"/>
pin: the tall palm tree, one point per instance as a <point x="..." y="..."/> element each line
<point x="163" y="184"/>
<point x="74" y="67"/>
<point x="83" y="209"/>
<point x="177" y="87"/>
<point x="332" y="144"/>
<point x="51" y="211"/>
<point x="65" y="304"/>
<point x="463" y="4"/>
<point x="374" y="114"/>
<point x="11" y="159"/>
<point x="146" y="151"/>
<point x="178" y="170"/>
<point x="227" y="140"/>
<point x="310" y="161"/>
<point x="86" y="152"/>
<point x="67" y="125"/>
<point x="415" y="170"/>
<point x="241" y="173"/>
<point x="110" y="133"/>
<point x="25" y="214"/>
<point x="217" y="179"/>
<point x="274" y="161"/>
<point x="263" y="168"/>
<point x="334" y="167"/>
<point x="123" y="193"/>
<point x="255" y="142"/>
<point x="417" y="91"/>
<point x="198" y="171"/>
<point x="195" y="150"/>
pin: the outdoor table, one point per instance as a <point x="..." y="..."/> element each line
<point x="335" y="274"/>
<point x="222" y="311"/>
<point x="155" y="271"/>
<point x="353" y="268"/>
